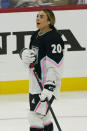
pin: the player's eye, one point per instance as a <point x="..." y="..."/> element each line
<point x="41" y="16"/>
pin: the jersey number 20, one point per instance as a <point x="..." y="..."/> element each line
<point x="56" y="48"/>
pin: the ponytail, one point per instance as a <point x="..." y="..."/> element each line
<point x="53" y="28"/>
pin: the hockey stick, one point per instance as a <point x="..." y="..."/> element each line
<point x="52" y="112"/>
<point x="49" y="105"/>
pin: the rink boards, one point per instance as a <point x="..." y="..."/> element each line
<point x="22" y="86"/>
<point x="15" y="33"/>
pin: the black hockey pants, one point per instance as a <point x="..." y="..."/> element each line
<point x="46" y="128"/>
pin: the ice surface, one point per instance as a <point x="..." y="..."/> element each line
<point x="70" y="110"/>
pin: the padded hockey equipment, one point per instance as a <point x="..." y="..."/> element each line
<point x="48" y="127"/>
<point x="49" y="87"/>
<point x="49" y="106"/>
<point x="36" y="129"/>
<point x="45" y="93"/>
<point x="28" y="57"/>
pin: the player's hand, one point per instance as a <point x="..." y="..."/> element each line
<point x="49" y="87"/>
<point x="28" y="57"/>
<point x="45" y="93"/>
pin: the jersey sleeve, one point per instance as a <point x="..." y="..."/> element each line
<point x="54" y="59"/>
<point x="55" y="49"/>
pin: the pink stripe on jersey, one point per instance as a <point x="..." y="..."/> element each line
<point x="43" y="71"/>
<point x="55" y="64"/>
<point x="48" y="124"/>
<point x="36" y="127"/>
<point x="43" y="68"/>
<point x="37" y="107"/>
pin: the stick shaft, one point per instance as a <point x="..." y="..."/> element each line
<point x="53" y="114"/>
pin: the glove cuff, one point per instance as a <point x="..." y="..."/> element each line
<point x="50" y="87"/>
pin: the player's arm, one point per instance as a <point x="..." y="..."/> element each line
<point x="54" y="63"/>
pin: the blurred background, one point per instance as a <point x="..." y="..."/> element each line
<point x="31" y="3"/>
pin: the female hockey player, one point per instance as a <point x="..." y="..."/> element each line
<point x="46" y="53"/>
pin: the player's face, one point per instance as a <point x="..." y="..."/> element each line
<point x="42" y="21"/>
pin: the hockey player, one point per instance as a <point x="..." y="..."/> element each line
<point x="46" y="52"/>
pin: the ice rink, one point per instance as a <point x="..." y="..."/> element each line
<point x="70" y="110"/>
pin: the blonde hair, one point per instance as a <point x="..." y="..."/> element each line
<point x="51" y="17"/>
